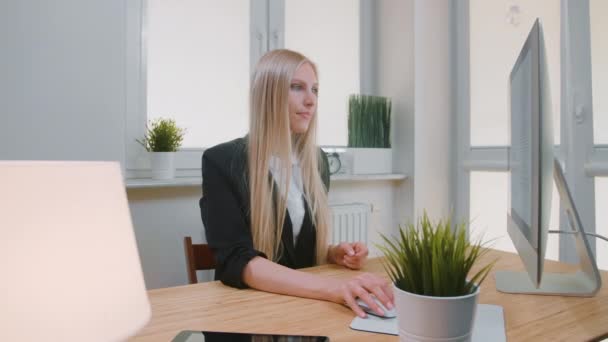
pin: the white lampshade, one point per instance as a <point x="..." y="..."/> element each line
<point x="69" y="266"/>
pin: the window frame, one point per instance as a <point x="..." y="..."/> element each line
<point x="187" y="160"/>
<point x="583" y="159"/>
<point x="267" y="26"/>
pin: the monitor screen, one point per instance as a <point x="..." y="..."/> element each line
<point x="520" y="154"/>
<point x="531" y="154"/>
<point x="532" y="167"/>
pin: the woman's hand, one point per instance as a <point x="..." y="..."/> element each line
<point x="351" y="255"/>
<point x="363" y="286"/>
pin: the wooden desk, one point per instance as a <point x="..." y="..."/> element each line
<point x="213" y="306"/>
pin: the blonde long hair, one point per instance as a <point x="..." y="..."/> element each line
<point x="269" y="134"/>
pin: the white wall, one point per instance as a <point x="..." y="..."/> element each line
<point x="163" y="216"/>
<point x="394" y="36"/>
<point x="433" y="108"/>
<point x="380" y="194"/>
<point x="161" y="219"/>
<point x="62" y="83"/>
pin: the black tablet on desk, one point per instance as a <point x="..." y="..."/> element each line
<point x="218" y="336"/>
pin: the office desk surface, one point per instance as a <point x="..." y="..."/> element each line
<point x="213" y="306"/>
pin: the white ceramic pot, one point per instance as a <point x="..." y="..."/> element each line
<point x="371" y="160"/>
<point x="162" y="165"/>
<point x="425" y="318"/>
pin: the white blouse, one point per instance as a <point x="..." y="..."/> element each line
<point x="295" y="202"/>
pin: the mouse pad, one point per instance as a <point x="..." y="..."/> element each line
<point x="489" y="324"/>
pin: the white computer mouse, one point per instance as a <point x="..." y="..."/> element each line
<point x="387" y="313"/>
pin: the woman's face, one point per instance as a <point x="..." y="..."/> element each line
<point x="303" y="92"/>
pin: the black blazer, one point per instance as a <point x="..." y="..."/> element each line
<point x="225" y="214"/>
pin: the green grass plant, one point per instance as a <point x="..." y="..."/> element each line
<point x="434" y="259"/>
<point x="369" y="121"/>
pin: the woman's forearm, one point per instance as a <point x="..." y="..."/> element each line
<point x="265" y="275"/>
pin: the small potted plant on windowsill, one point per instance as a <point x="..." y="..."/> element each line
<point x="162" y="138"/>
<point x="369" y="134"/>
<point x="429" y="265"/>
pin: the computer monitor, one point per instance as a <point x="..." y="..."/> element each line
<point x="533" y="167"/>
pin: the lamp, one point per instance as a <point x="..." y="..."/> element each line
<point x="69" y="264"/>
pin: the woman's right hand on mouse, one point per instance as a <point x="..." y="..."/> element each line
<point x="363" y="286"/>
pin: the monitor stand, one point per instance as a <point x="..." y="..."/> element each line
<point x="585" y="282"/>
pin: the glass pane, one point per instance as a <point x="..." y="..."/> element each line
<point x="331" y="40"/>
<point x="195" y="75"/>
<point x="498" y="30"/>
<point x="601" y="221"/>
<point x="599" y="69"/>
<point x="488" y="212"/>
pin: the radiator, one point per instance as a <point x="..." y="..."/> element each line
<point x="350" y="222"/>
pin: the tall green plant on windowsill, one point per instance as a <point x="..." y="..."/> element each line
<point x="162" y="135"/>
<point x="434" y="259"/>
<point x="369" y="121"/>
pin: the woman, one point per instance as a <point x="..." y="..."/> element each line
<point x="264" y="203"/>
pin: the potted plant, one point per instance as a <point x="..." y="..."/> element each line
<point x="429" y="265"/>
<point x="369" y="134"/>
<point x="162" y="138"/>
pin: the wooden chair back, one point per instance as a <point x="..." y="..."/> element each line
<point x="199" y="257"/>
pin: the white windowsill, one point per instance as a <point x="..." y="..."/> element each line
<point x="375" y="177"/>
<point x="143" y="183"/>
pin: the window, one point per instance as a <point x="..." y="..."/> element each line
<point x="599" y="55"/>
<point x="332" y="42"/>
<point x="496" y="35"/>
<point x="488" y="209"/>
<point x="488" y="36"/>
<point x="601" y="220"/>
<point x="497" y="32"/>
<point x="598" y="10"/>
<point x="488" y="213"/>
<point x="195" y="60"/>
<point x="195" y="75"/>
